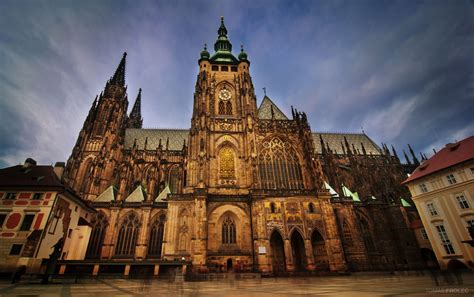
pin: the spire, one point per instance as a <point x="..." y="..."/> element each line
<point x="415" y="159"/>
<point x="406" y="158"/>
<point x="135" y="118"/>
<point x="223" y="47"/>
<point x="394" y="152"/>
<point x="119" y="75"/>
<point x="323" y="148"/>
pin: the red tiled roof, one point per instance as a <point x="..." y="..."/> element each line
<point x="37" y="176"/>
<point x="452" y="154"/>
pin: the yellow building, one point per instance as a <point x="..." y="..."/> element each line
<point x="443" y="191"/>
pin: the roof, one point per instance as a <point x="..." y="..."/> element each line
<point x="176" y="138"/>
<point x="137" y="196"/>
<point x="335" y="139"/>
<point x="265" y="110"/>
<point x="163" y="195"/>
<point x="451" y="155"/>
<point x="31" y="176"/>
<point x="107" y="196"/>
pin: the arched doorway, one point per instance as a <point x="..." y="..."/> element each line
<point x="298" y="250"/>
<point x="319" y="251"/>
<point x="278" y="253"/>
<point x="230" y="265"/>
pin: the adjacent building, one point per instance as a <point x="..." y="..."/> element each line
<point x="443" y="191"/>
<point x="36" y="210"/>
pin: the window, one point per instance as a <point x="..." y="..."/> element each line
<point x="10" y="196"/>
<point x="279" y="166"/>
<point x="451" y="179"/>
<point x="229" y="235"/>
<point x="366" y="235"/>
<point x="470" y="223"/>
<point x="173" y="179"/>
<point x="156" y="237"/>
<point x="15" y="249"/>
<point x="462" y="201"/>
<point x="423" y="188"/>
<point x="37" y="196"/>
<point x="3" y="216"/>
<point x="128" y="236"/>
<point x="424" y="235"/>
<point x="99" y="223"/>
<point x="443" y="235"/>
<point x="224" y="68"/>
<point x="227" y="164"/>
<point x="215" y="68"/>
<point x="272" y="207"/>
<point x="472" y="170"/>
<point x="233" y="68"/>
<point x="347" y="234"/>
<point x="432" y="209"/>
<point x="27" y="221"/>
<point x="311" y="207"/>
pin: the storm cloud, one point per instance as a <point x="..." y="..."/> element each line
<point x="401" y="70"/>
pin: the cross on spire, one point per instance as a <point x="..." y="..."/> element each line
<point x="264" y="91"/>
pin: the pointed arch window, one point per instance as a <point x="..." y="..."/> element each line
<point x="229" y="235"/>
<point x="96" y="240"/>
<point x="347" y="233"/>
<point x="366" y="235"/>
<point x="279" y="166"/>
<point x="156" y="237"/>
<point x="227" y="163"/>
<point x="128" y="236"/>
<point x="272" y="207"/>
<point x="173" y="179"/>
<point x="311" y="208"/>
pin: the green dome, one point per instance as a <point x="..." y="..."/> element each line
<point x="242" y="55"/>
<point x="205" y="54"/>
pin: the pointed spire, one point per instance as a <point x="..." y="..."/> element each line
<point x="348" y="147"/>
<point x="135" y="118"/>
<point x="363" y="148"/>
<point x="323" y="148"/>
<point x="434" y="151"/>
<point x="406" y="158"/>
<point x="415" y="159"/>
<point x="119" y="75"/>
<point x="222" y="44"/>
<point x="394" y="152"/>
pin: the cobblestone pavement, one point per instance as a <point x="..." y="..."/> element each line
<point x="354" y="286"/>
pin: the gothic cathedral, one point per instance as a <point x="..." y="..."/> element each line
<point x="246" y="188"/>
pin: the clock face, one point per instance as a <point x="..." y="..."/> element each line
<point x="224" y="94"/>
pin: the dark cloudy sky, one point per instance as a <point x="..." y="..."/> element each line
<point x="402" y="70"/>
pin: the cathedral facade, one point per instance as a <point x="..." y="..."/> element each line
<point x="246" y="188"/>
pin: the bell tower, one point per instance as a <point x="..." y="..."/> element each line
<point x="222" y="139"/>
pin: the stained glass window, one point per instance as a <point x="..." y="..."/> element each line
<point x="96" y="240"/>
<point x="128" y="236"/>
<point x="229" y="235"/>
<point x="279" y="166"/>
<point x="227" y="164"/>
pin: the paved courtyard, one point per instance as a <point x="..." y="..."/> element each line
<point x="355" y="285"/>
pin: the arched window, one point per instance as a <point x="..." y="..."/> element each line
<point x="229" y="235"/>
<point x="279" y="166"/>
<point x="367" y="237"/>
<point x="272" y="207"/>
<point x="173" y="179"/>
<point x="347" y="233"/>
<point x="311" y="207"/>
<point x="227" y="164"/>
<point x="128" y="236"/>
<point x="156" y="237"/>
<point x="222" y="107"/>
<point x="228" y="108"/>
<point x="96" y="240"/>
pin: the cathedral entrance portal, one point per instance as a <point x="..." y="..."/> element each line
<point x="298" y="250"/>
<point x="278" y="253"/>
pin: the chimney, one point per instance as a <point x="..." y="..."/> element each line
<point x="29" y="163"/>
<point x="59" y="169"/>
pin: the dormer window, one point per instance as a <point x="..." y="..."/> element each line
<point x="451" y="179"/>
<point x="423" y="188"/>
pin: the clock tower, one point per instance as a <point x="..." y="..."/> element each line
<point x="222" y="140"/>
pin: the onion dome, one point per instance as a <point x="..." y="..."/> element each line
<point x="205" y="54"/>
<point x="242" y="55"/>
